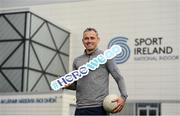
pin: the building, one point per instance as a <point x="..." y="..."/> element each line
<point x="150" y="31"/>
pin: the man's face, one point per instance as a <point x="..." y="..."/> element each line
<point x="90" y="40"/>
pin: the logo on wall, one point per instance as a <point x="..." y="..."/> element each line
<point x="154" y="49"/>
<point x="124" y="55"/>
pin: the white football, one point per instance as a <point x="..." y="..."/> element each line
<point x="108" y="104"/>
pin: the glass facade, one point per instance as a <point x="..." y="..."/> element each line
<point x="33" y="51"/>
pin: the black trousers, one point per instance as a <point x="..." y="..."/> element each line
<point x="91" y="111"/>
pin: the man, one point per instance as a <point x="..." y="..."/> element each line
<point x="94" y="87"/>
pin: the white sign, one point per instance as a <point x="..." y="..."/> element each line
<point x="84" y="69"/>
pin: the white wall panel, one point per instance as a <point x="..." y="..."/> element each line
<point x="170" y="109"/>
<point x="36" y="104"/>
<point x="31" y="104"/>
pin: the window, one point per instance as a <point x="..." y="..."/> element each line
<point x="148" y="109"/>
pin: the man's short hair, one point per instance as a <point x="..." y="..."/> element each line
<point x="91" y="29"/>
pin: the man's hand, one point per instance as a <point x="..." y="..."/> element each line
<point x="66" y="86"/>
<point x="120" y="104"/>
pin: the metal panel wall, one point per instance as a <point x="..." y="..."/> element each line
<point x="33" y="52"/>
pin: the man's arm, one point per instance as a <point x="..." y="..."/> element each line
<point x="114" y="71"/>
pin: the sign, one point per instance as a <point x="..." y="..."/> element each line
<point x="84" y="69"/>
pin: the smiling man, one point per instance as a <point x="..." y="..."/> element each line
<point x="90" y="40"/>
<point x="94" y="87"/>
